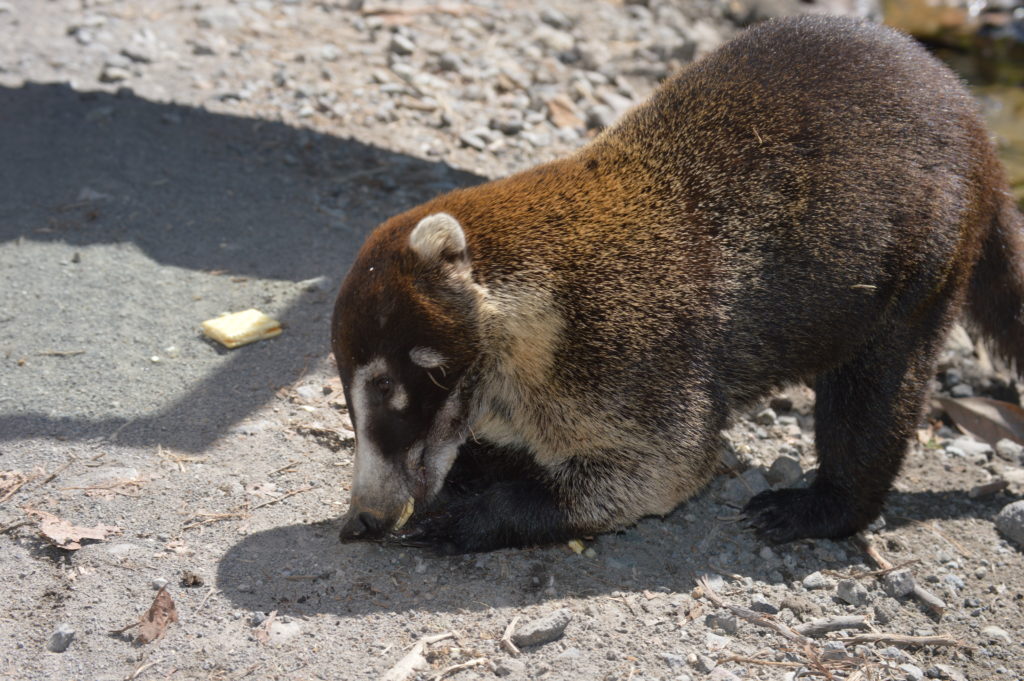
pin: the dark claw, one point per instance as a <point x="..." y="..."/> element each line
<point x="786" y="515"/>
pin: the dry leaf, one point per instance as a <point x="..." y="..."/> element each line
<point x="64" y="535"/>
<point x="986" y="419"/>
<point x="10" y="483"/>
<point x="155" y="621"/>
<point x="263" y="632"/>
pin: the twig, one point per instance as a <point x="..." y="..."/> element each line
<point x="900" y="639"/>
<point x="13" y="526"/>
<point x="205" y="598"/>
<point x="760" y="619"/>
<point x="927" y="598"/>
<point x="57" y="472"/>
<point x="414" y="659"/>
<point x="241" y="511"/>
<point x="506" y="638"/>
<point x="820" y="627"/>
<point x="141" y="668"/>
<point x="60" y="353"/>
<point x="459" y="667"/>
<point x="930" y="600"/>
<point x="282" y="497"/>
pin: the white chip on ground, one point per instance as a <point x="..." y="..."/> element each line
<point x="239" y="328"/>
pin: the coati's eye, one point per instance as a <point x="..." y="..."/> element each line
<point x="383" y="385"/>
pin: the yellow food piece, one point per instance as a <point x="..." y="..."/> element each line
<point x="576" y="545"/>
<point x="239" y="328"/>
<point x="410" y="506"/>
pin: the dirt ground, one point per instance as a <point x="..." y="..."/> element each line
<point x="150" y="180"/>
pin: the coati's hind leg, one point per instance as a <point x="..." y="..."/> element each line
<point x="865" y="413"/>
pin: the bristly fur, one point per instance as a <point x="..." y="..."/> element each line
<point x="813" y="201"/>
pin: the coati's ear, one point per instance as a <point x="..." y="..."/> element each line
<point x="438" y="238"/>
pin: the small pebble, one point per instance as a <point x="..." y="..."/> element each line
<point x="159" y="583"/>
<point x="765" y="417"/>
<point x="898" y="583"/>
<point x="61" y="638"/>
<point x="1010" y="521"/>
<point x="852" y="591"/>
<point x="1009" y="450"/>
<point x="784" y="471"/>
<point x="544" y="630"/>
<point x="816" y="580"/>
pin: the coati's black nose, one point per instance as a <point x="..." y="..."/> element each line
<point x="361" y="525"/>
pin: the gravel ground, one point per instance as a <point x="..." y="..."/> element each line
<point x="165" y="161"/>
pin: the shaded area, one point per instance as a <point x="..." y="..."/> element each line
<point x="295" y="568"/>
<point x="233" y="197"/>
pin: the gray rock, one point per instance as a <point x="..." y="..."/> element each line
<point x="552" y="17"/>
<point x="898" y="583"/>
<point x="759" y="604"/>
<point x="726" y="622"/>
<point x="1010" y="521"/>
<point x="220" y="18"/>
<point x="944" y="671"/>
<point x="600" y="116"/>
<point x="973" y="448"/>
<point x="114" y="74"/>
<point x="739" y="490"/>
<point x="802" y="606"/>
<point x="765" y="417"/>
<point x="158" y="583"/>
<point x="1010" y="451"/>
<point x="282" y="632"/>
<point x="852" y="591"/>
<point x="544" y="630"/>
<point x="449" y="61"/>
<point x="961" y="390"/>
<point x="911" y="672"/>
<point x="701" y="663"/>
<point x="784" y="471"/>
<point x="722" y="674"/>
<point x="61" y="638"/>
<point x="510" y="667"/>
<point x="673" y="661"/>
<point x="401" y="45"/>
<point x="995" y="633"/>
<point x="816" y="580"/>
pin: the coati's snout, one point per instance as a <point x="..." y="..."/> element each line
<point x="402" y="351"/>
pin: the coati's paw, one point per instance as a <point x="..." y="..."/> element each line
<point x="432" y="530"/>
<point x="506" y="514"/>
<point x="788" y="514"/>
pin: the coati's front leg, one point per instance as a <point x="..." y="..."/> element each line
<point x="865" y="413"/>
<point x="580" y="496"/>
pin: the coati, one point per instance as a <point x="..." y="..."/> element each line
<point x="814" y="201"/>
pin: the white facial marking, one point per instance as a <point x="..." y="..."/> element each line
<point x="428" y="358"/>
<point x="370" y="467"/>
<point x="399" y="398"/>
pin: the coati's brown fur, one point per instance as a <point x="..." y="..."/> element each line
<point x="813" y="201"/>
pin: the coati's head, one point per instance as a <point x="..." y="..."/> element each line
<point x="404" y="336"/>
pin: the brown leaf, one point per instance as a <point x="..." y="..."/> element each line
<point x="64" y="535"/>
<point x="155" y="621"/>
<point x="986" y="419"/>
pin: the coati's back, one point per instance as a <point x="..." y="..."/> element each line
<point x="814" y="200"/>
<point x="770" y="203"/>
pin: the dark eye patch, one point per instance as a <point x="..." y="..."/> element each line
<point x="383" y="385"/>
